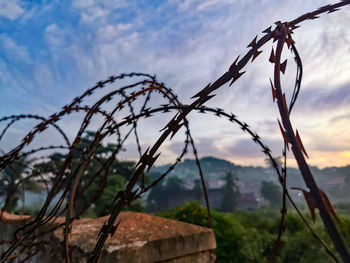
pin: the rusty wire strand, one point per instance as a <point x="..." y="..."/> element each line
<point x="148" y="158"/>
<point x="68" y="177"/>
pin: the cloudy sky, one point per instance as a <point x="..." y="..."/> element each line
<point x="52" y="51"/>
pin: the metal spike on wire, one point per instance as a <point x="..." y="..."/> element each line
<point x="123" y="98"/>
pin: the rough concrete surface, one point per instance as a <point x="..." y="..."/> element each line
<point x="139" y="238"/>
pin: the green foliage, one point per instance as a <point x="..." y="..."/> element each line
<point x="90" y="186"/>
<point x="137" y="206"/>
<point x="344" y="227"/>
<point x="228" y="232"/>
<point x="103" y="205"/>
<point x="249" y="236"/>
<point x="191" y="212"/>
<point x="10" y="176"/>
<point x="302" y="247"/>
<point x="116" y="181"/>
<point x="28" y="210"/>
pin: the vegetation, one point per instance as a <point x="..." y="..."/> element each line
<point x="249" y="236"/>
<point x="172" y="192"/>
<point x="241" y="237"/>
<point x="160" y="195"/>
<point x="119" y="173"/>
<point x="9" y="179"/>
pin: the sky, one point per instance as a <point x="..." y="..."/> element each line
<point x="52" y="51"/>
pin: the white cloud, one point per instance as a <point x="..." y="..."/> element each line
<point x="55" y="36"/>
<point x="14" y="50"/>
<point x="92" y="13"/>
<point x="200" y="5"/>
<point x="110" y="32"/>
<point x="191" y="43"/>
<point x="203" y="5"/>
<point x="83" y="3"/>
<point x="92" y="10"/>
<point x="10" y="9"/>
<point x="43" y="77"/>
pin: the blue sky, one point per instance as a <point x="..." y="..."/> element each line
<point x="52" y="51"/>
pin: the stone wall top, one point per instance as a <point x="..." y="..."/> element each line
<point x="139" y="238"/>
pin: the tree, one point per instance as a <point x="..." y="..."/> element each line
<point x="157" y="199"/>
<point x="272" y="193"/>
<point x="10" y="176"/>
<point x="90" y="185"/>
<point x="159" y="196"/>
<point x="230" y="193"/>
<point x="174" y="185"/>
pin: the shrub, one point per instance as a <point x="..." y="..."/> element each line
<point x="249" y="236"/>
<point x="228" y="231"/>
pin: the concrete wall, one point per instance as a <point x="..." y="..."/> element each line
<point x="139" y="238"/>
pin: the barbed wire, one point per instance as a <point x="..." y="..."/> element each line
<point x="67" y="179"/>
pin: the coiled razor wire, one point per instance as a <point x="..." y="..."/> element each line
<point x="66" y="182"/>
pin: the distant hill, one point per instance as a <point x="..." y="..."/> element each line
<point x="331" y="179"/>
<point x="215" y="169"/>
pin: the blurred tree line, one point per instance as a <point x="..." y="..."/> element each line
<point x="118" y="174"/>
<point x="172" y="192"/>
<point x="241" y="236"/>
<point x="245" y="236"/>
<point x="165" y="195"/>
